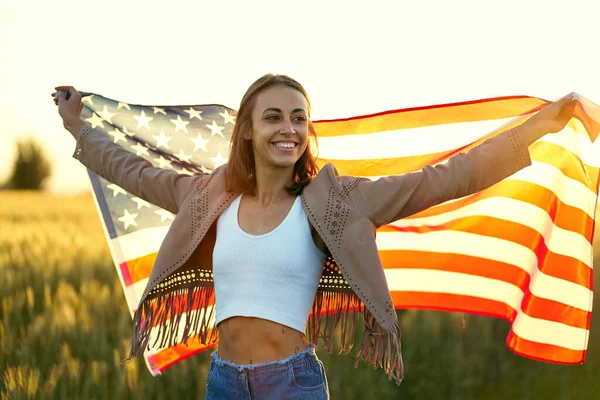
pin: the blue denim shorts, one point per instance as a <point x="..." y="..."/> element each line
<point x="299" y="376"/>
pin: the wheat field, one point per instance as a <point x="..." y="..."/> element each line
<point x="64" y="329"/>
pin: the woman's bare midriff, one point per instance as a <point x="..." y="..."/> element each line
<point x="249" y="340"/>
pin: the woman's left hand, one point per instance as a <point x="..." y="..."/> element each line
<point x="553" y="117"/>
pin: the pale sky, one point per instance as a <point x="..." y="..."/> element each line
<point x="353" y="57"/>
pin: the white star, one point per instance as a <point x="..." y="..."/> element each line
<point x="140" y="202"/>
<point x="162" y="162"/>
<point x="95" y="120"/>
<point x="143" y="120"/>
<point x="228" y="118"/>
<point x="116" y="189"/>
<point x="89" y="99"/>
<point x="182" y="156"/>
<point x="204" y="169"/>
<point x="106" y="115"/>
<point x="162" y="140"/>
<point x="139" y="149"/>
<point x="118" y="135"/>
<point x="194" y="113"/>
<point x="164" y="214"/>
<point x="125" y="105"/>
<point x="218" y="160"/>
<point x="215" y="129"/>
<point x="128" y="219"/>
<point x="180" y="124"/>
<point x="200" y="143"/>
<point x="159" y="110"/>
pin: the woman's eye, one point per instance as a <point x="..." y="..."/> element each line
<point x="272" y="117"/>
<point x="300" y="119"/>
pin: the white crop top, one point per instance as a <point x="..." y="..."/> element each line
<point x="272" y="276"/>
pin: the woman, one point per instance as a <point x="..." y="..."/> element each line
<point x="287" y="222"/>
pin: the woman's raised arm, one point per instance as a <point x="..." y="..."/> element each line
<point x="163" y="187"/>
<point x="391" y="198"/>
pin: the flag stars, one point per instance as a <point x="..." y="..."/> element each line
<point x="194" y="113"/>
<point x="227" y="118"/>
<point x="183" y="157"/>
<point x="180" y="124"/>
<point x="123" y="105"/>
<point x="128" y="219"/>
<point x="118" y="136"/>
<point x="116" y="190"/>
<point x="200" y="143"/>
<point x="143" y="120"/>
<point x="164" y="215"/>
<point x="215" y="129"/>
<point x="107" y="116"/>
<point x="139" y="149"/>
<point x="218" y="160"/>
<point x="158" y="110"/>
<point x="163" y="162"/>
<point x="95" y="120"/>
<point x="140" y="202"/>
<point x="162" y="140"/>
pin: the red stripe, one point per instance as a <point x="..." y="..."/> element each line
<point x="436" y="106"/>
<point x="452" y="302"/>
<point x="171" y="355"/>
<point x="125" y="273"/>
<point x="544" y="352"/>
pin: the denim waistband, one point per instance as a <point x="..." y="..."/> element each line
<point x="306" y="357"/>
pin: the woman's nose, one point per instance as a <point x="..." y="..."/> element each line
<point x="288" y="128"/>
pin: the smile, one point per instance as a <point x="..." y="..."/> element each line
<point x="285" y="145"/>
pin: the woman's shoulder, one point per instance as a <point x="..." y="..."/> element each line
<point x="329" y="175"/>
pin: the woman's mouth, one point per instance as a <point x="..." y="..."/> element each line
<point x="285" y="146"/>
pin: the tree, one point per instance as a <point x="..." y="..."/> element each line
<point x="31" y="167"/>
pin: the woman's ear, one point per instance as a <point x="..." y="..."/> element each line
<point x="248" y="134"/>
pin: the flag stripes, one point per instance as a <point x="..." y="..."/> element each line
<point x="520" y="250"/>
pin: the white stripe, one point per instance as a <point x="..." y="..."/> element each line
<point x="569" y="191"/>
<point x="139" y="243"/>
<point x="529" y="328"/>
<point x="138" y="288"/>
<point x="408" y="142"/>
<point x="558" y="240"/>
<point x="468" y="244"/>
<point x="576" y="143"/>
<point x="550" y="332"/>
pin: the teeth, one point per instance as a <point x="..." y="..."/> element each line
<point x="286" y="145"/>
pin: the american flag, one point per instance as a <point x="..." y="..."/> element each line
<point x="519" y="250"/>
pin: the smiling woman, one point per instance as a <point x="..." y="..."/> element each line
<point x="268" y="236"/>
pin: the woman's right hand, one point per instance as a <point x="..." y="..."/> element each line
<point x="70" y="109"/>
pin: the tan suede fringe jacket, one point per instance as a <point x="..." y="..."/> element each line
<point x="345" y="211"/>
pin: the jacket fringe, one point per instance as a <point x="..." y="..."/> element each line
<point x="158" y="321"/>
<point x="378" y="347"/>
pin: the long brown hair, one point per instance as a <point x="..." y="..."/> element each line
<point x="239" y="171"/>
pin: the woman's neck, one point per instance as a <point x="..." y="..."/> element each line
<point x="271" y="183"/>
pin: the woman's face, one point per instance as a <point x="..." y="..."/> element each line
<point x="279" y="127"/>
